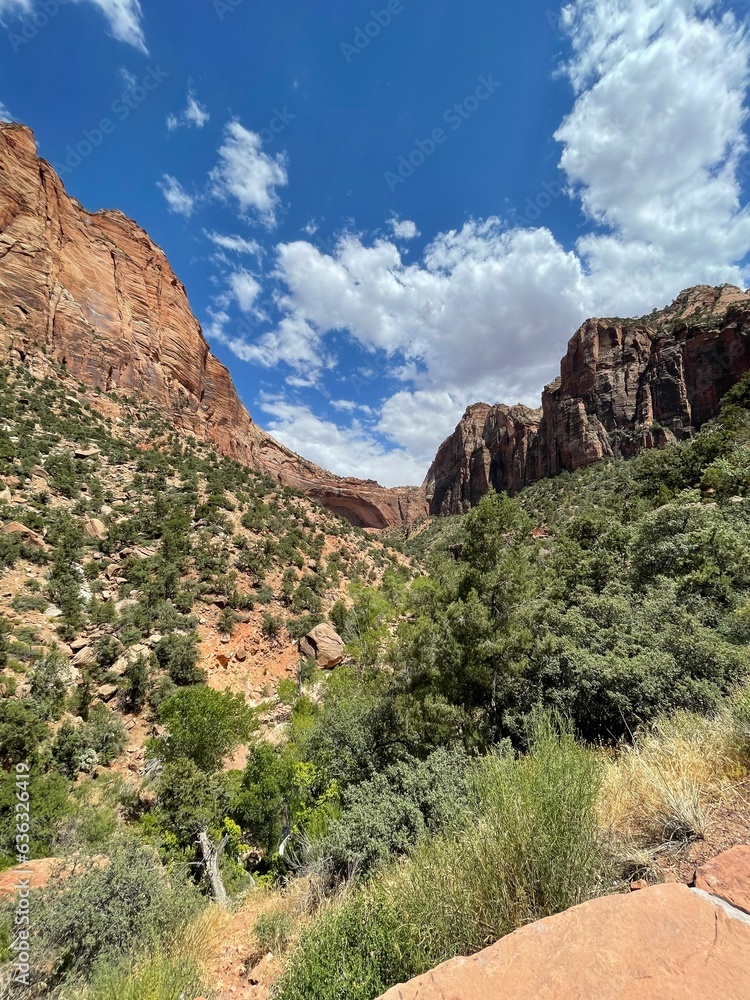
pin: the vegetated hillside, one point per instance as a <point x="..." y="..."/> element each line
<point x="135" y="562"/>
<point x="556" y="704"/>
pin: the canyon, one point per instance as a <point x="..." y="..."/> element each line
<point x="92" y="293"/>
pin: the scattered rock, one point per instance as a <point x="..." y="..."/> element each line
<point x="106" y="692"/>
<point x="324" y="645"/>
<point x="240" y="655"/>
<point x="90" y="452"/>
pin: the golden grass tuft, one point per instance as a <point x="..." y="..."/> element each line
<point x="666" y="785"/>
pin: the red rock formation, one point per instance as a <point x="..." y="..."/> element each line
<point x="663" y="943"/>
<point x="625" y="385"/>
<point x="96" y="295"/>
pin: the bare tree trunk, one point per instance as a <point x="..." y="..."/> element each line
<point x="211" y="857"/>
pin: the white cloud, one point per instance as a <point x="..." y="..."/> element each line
<point x="245" y="289"/>
<point x="480" y="297"/>
<point x="5" y="115"/>
<point x="235" y="244"/>
<point x="194" y="114"/>
<point x="123" y="16"/>
<point x="294" y="343"/>
<point x="404" y="229"/>
<point x="128" y="78"/>
<point x="653" y="144"/>
<point x="178" y="199"/>
<point x="349" y="406"/>
<point x="248" y="175"/>
<point x="349" y="451"/>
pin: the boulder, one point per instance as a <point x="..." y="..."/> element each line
<point x="90" y="452"/>
<point x="107" y="692"/>
<point x="662" y="943"/>
<point x="324" y="645"/>
<point x="26" y="535"/>
<point x="94" y="528"/>
<point x="728" y="877"/>
<point x="84" y="657"/>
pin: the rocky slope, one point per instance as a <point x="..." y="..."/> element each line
<point x="94" y="293"/>
<point x="624" y="385"/>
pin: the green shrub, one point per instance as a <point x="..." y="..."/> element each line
<point x="395" y="809"/>
<point x="527" y="848"/>
<point x="204" y="726"/>
<point x="271" y="625"/>
<point x="273" y="931"/>
<point x="158" y="977"/>
<point x="112" y="911"/>
<point x="48" y="682"/>
<point x="178" y="655"/>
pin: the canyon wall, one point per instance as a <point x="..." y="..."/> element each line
<point x="97" y="296"/>
<point x="624" y="385"/>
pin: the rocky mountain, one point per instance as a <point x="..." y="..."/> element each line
<point x="95" y="294"/>
<point x="624" y="385"/>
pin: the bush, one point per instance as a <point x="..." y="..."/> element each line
<point x="112" y="910"/>
<point x="271" y="625"/>
<point x="48" y="681"/>
<point x="528" y="848"/>
<point x="178" y="655"/>
<point x="273" y="931"/>
<point x="394" y="810"/>
<point x="204" y="726"/>
<point x="21" y="731"/>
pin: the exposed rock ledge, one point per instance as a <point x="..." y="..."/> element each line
<point x="94" y="293"/>
<point x="668" y="942"/>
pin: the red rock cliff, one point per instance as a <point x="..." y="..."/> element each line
<point x="624" y="385"/>
<point x="97" y="295"/>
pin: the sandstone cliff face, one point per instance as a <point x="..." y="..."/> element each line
<point x="96" y="295"/>
<point x="624" y="385"/>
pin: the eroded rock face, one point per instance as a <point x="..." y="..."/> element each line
<point x="624" y="385"/>
<point x="95" y="294"/>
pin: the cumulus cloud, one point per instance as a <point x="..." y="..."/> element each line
<point x="653" y="145"/>
<point x="245" y="290"/>
<point x="404" y="229"/>
<point x="123" y="16"/>
<point x="351" y="450"/>
<point x="235" y="244"/>
<point x="247" y="175"/>
<point x="177" y="198"/>
<point x="194" y="115"/>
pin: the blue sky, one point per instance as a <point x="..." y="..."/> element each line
<point x="390" y="210"/>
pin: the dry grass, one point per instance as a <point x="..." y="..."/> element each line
<point x="666" y="786"/>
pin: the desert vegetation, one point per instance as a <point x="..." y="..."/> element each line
<point x="541" y="701"/>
